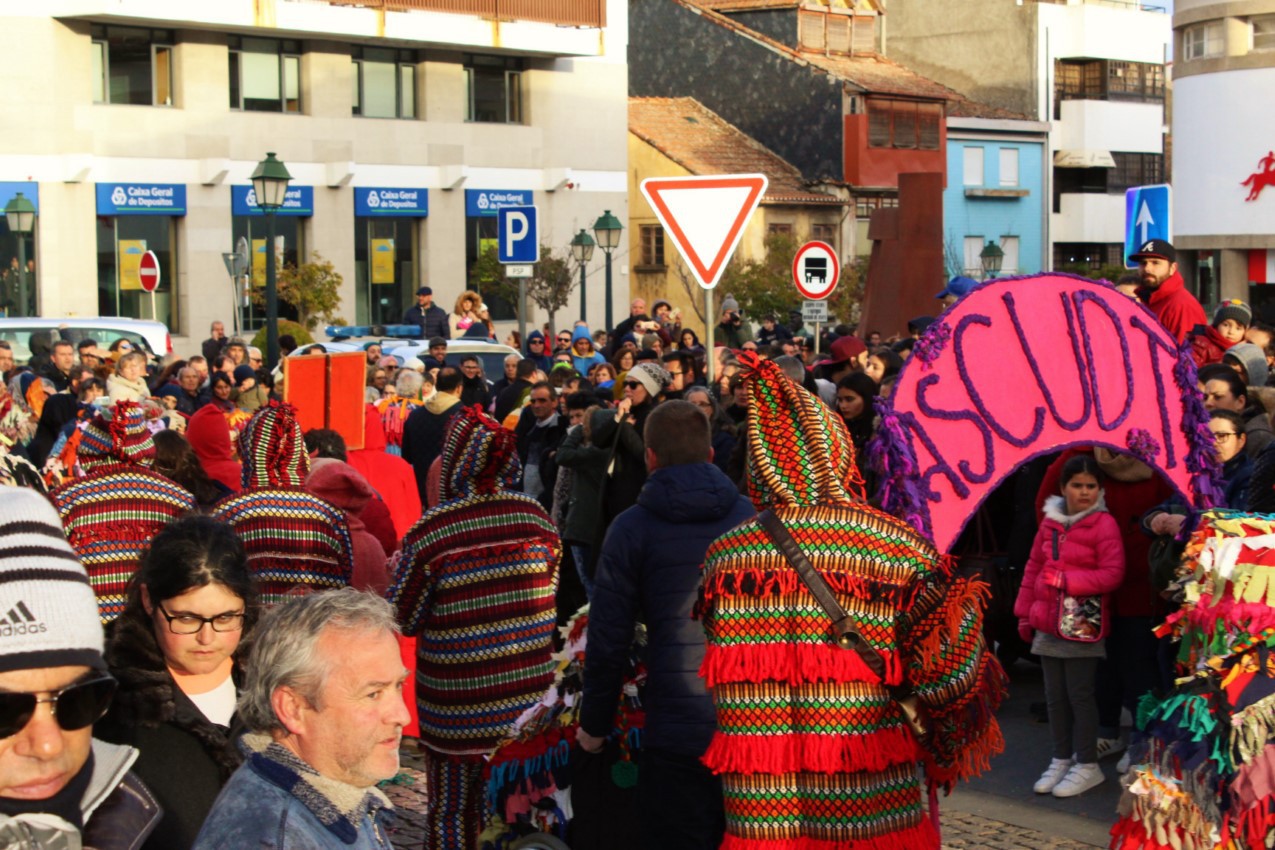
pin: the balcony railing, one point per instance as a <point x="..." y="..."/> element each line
<point x="567" y="13"/>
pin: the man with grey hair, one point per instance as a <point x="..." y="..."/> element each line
<point x="324" y="707"/>
<point x="408" y="383"/>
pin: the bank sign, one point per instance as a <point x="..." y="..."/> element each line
<point x="405" y="203"/>
<point x="485" y="202"/>
<point x="299" y="201"/>
<point x="141" y="199"/>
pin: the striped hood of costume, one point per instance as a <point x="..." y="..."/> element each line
<point x="480" y="458"/>
<point x="799" y="451"/>
<point x="117" y="435"/>
<point x="272" y="448"/>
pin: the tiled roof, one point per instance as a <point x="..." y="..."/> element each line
<point x="700" y="141"/>
<point x="741" y="5"/>
<point x="964" y="108"/>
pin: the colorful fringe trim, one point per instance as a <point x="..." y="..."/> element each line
<point x="922" y="836"/>
<point x="796" y="753"/>
<point x="792" y="663"/>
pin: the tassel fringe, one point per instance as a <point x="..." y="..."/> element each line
<point x="794" y="664"/>
<point x="964" y="598"/>
<point x="922" y="836"/>
<point x="797" y="753"/>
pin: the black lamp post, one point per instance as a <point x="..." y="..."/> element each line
<point x="20" y="214"/>
<point x="991" y="257"/>
<point x="270" y="183"/>
<point x="607" y="230"/>
<point x="582" y="249"/>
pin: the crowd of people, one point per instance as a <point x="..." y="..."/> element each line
<point x="234" y="622"/>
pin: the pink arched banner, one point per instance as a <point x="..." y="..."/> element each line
<point x="1026" y="366"/>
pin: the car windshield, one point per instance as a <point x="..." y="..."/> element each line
<point x="20" y="339"/>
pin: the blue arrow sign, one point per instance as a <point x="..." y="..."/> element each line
<point x="1146" y="216"/>
<point x="517" y="235"/>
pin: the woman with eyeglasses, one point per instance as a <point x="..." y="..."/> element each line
<point x="175" y="652"/>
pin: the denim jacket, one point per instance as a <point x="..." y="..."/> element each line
<point x="275" y="800"/>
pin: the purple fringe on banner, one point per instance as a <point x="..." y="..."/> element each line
<point x="890" y="455"/>
<point x="1201" y="461"/>
<point x="931" y="344"/>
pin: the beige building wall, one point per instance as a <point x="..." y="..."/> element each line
<point x="571" y="153"/>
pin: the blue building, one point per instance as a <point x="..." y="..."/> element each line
<point x="996" y="190"/>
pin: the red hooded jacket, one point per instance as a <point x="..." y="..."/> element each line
<point x="1176" y="308"/>
<point x="209" y="435"/>
<point x="391" y="476"/>
<point x="343" y="486"/>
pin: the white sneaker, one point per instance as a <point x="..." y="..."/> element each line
<point x="1122" y="766"/>
<point x="1078" y="780"/>
<point x="1052" y="776"/>
<point x="1108" y="747"/>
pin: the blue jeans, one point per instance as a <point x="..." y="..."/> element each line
<point x="580" y="554"/>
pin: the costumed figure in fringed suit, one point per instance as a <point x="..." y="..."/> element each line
<point x="815" y="748"/>
<point x="112" y="513"/>
<point x="475" y="583"/>
<point x="296" y="542"/>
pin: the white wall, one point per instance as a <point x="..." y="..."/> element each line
<point x="1109" y="125"/>
<point x="1219" y="133"/>
<point x="1089" y="218"/>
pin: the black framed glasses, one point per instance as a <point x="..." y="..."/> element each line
<point x="632" y="384"/>
<point x="77" y="705"/>
<point x="1220" y="436"/>
<point x="190" y="624"/>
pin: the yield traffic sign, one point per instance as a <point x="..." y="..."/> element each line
<point x="517" y="235"/>
<point x="705" y="216"/>
<point x="1146" y="216"/>
<point x="815" y="270"/>
<point x="148" y="271"/>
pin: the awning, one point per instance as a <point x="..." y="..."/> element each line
<point x="1084" y="159"/>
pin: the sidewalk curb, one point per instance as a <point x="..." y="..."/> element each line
<point x="1026" y="816"/>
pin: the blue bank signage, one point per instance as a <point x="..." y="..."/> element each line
<point x="141" y="199"/>
<point x="406" y="203"/>
<point x="485" y="202"/>
<point x="299" y="201"/>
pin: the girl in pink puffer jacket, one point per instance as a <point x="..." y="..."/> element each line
<point x="1076" y="561"/>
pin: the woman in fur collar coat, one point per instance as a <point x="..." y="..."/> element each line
<point x="175" y="652"/>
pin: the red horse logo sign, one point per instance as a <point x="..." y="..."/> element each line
<point x="1261" y="178"/>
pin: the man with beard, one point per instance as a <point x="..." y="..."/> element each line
<point x="1164" y="291"/>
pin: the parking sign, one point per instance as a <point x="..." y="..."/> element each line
<point x="518" y="236"/>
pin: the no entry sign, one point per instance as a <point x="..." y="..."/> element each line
<point x="815" y="270"/>
<point x="148" y="271"/>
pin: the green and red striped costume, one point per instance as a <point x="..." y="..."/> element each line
<point x="813" y="751"/>
<point x="475" y="583"/>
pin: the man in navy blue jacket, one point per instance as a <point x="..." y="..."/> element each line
<point x="649" y="571"/>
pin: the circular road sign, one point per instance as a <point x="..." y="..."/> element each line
<point x="148" y="271"/>
<point x="815" y="270"/>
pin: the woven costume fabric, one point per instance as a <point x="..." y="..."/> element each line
<point x="296" y="542"/>
<point x="110" y="517"/>
<point x="116" y="435"/>
<point x="814" y="751"/>
<point x="475" y="583"/>
<point x="456" y="803"/>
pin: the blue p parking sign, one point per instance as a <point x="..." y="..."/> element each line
<point x="518" y="235"/>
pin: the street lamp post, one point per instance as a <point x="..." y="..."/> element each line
<point x="607" y="230"/>
<point x="582" y="250"/>
<point x="270" y="183"/>
<point x="991" y="257"/>
<point x="20" y="214"/>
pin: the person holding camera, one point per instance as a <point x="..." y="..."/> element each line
<point x="732" y="331"/>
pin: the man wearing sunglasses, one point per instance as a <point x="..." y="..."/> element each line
<point x="58" y="786"/>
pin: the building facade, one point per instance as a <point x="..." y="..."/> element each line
<point x="1224" y="138"/>
<point x="1094" y="69"/>
<point x="404" y="126"/>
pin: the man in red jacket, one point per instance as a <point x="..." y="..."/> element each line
<point x="1164" y="291"/>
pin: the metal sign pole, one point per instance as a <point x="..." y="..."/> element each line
<point x="153" y="315"/>
<point x="522" y="313"/>
<point x="816" y="339"/>
<point x="710" y="350"/>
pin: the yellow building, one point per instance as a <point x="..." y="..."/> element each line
<point x="677" y="137"/>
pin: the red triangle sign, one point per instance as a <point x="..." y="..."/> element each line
<point x="705" y="216"/>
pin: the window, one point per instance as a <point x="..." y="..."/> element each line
<point x="652" y="245"/>
<point x="1264" y="32"/>
<point x="1135" y="169"/>
<point x="865" y="205"/>
<point x="826" y="233"/>
<point x="904" y="124"/>
<point x="384" y="83"/>
<point x="265" y="75"/>
<point x="1101" y="79"/>
<point x="495" y="89"/>
<point x="1009" y="265"/>
<point x="779" y="229"/>
<point x="123" y="238"/>
<point x="1009" y="166"/>
<point x="1202" y="40"/>
<point x="833" y="33"/>
<point x="973" y="258"/>
<point x="973" y="166"/>
<point x="1087" y="256"/>
<point x="132" y="65"/>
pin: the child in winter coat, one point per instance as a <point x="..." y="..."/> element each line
<point x="1230" y="323"/>
<point x="1076" y="561"/>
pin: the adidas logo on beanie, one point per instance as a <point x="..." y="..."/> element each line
<point x="48" y="614"/>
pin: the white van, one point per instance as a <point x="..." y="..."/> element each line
<point x="150" y="337"/>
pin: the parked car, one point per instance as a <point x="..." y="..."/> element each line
<point x="151" y="337"/>
<point x="491" y="354"/>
